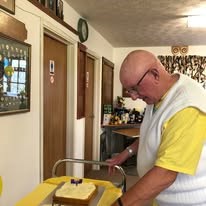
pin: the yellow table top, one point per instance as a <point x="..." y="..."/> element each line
<point x="35" y="197"/>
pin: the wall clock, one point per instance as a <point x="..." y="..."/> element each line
<point x="83" y="30"/>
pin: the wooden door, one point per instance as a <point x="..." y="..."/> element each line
<point x="107" y="83"/>
<point x="81" y="80"/>
<point x="89" y="112"/>
<point x="54" y="104"/>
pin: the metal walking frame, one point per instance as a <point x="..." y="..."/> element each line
<point x="121" y="185"/>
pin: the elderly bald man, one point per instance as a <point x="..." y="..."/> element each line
<point x="171" y="159"/>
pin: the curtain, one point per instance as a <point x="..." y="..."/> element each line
<point x="191" y="65"/>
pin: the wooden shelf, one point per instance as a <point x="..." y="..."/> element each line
<point x="52" y="15"/>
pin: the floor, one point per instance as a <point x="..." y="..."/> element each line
<point x="102" y="174"/>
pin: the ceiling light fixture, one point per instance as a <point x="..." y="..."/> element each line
<point x="196" y="21"/>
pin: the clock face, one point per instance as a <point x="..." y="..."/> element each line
<point x="82" y="30"/>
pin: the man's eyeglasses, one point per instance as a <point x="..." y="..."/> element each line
<point x="134" y="90"/>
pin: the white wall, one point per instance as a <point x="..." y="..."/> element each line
<point x="121" y="53"/>
<point x="19" y="147"/>
<point x="97" y="47"/>
<point x="21" y="134"/>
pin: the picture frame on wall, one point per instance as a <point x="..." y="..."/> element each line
<point x="59" y="11"/>
<point x="42" y="2"/>
<point x="51" y="5"/>
<point x="8" y="5"/>
<point x="14" y="75"/>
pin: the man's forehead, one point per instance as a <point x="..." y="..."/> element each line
<point x="128" y="79"/>
<point x="133" y="70"/>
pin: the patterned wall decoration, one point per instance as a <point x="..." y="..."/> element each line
<point x="191" y="65"/>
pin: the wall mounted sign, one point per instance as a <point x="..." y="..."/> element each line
<point x="14" y="76"/>
<point x="51" y="70"/>
<point x="52" y="79"/>
<point x="51" y="67"/>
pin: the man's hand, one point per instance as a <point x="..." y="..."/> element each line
<point x="116" y="160"/>
<point x="121" y="157"/>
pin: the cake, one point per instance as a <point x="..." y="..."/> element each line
<point x="82" y="191"/>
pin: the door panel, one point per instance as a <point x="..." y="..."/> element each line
<point x="54" y="102"/>
<point x="81" y="81"/>
<point x="107" y="83"/>
<point x="89" y="114"/>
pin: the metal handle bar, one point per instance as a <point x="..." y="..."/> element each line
<point x="123" y="183"/>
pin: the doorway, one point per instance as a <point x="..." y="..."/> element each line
<point x="54" y="104"/>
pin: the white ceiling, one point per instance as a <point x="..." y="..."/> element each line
<point x="137" y="23"/>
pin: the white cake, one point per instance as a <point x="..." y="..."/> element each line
<point x="81" y="191"/>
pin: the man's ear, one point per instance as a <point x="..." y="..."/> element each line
<point x="155" y="73"/>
